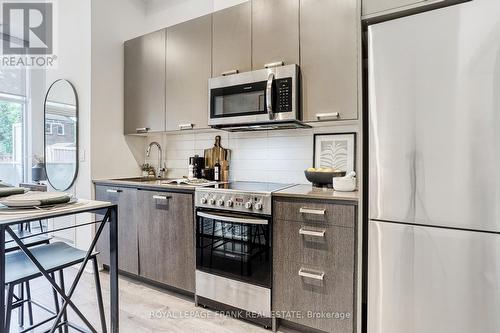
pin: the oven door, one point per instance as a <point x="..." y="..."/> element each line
<point x="234" y="246"/>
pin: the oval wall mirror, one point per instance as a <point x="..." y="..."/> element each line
<point x="61" y="134"/>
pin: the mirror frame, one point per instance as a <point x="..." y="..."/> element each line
<point x="77" y="133"/>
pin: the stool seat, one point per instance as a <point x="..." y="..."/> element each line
<point x="53" y="257"/>
<point x="28" y="239"/>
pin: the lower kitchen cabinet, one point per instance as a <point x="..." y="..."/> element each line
<point x="166" y="238"/>
<point x="314" y="263"/>
<point x="125" y="198"/>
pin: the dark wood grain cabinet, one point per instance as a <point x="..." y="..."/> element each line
<point x="166" y="238"/>
<point x="314" y="263"/>
<point x="125" y="198"/>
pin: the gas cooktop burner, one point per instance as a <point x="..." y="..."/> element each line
<point x="242" y="197"/>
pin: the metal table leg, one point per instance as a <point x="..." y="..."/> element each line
<point x="113" y="269"/>
<point x="2" y="277"/>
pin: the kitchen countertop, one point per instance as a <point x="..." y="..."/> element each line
<point x="140" y="183"/>
<point x="311" y="192"/>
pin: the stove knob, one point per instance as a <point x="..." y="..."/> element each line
<point x="229" y="203"/>
<point x="248" y="204"/>
<point x="258" y="206"/>
<point x="203" y="200"/>
<point x="220" y="202"/>
<point x="211" y="201"/>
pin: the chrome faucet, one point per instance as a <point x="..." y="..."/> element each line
<point x="160" y="170"/>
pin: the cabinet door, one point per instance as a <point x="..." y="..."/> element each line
<point x="188" y="61"/>
<point x="329" y="59"/>
<point x="275" y="32"/>
<point x="232" y="39"/>
<point x="166" y="240"/>
<point x="371" y="7"/>
<point x="144" y="100"/>
<point x="125" y="198"/>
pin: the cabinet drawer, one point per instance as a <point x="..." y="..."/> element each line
<point x="314" y="244"/>
<point x="315" y="211"/>
<point x="321" y="298"/>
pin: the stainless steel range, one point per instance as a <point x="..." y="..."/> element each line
<point x="233" y="248"/>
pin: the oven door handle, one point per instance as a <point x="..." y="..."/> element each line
<point x="233" y="219"/>
<point x="269" y="96"/>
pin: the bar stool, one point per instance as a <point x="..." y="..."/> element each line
<point x="54" y="257"/>
<point x="10" y="246"/>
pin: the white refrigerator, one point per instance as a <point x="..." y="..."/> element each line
<point x="434" y="171"/>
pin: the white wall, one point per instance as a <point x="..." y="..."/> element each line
<point x="163" y="13"/>
<point x="272" y="156"/>
<point x="113" y="22"/>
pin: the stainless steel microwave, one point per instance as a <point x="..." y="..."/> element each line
<point x="258" y="100"/>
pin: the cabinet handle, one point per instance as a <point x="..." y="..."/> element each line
<point x="314" y="233"/>
<point x="113" y="191"/>
<point x="274" y="64"/>
<point x="304" y="210"/>
<point x="142" y="129"/>
<point x="334" y="115"/>
<point x="185" y="126"/>
<point x="230" y="72"/>
<point x="161" y="197"/>
<point x="312" y="275"/>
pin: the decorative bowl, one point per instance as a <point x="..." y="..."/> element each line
<point x="323" y="178"/>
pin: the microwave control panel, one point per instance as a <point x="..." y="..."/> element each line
<point x="284" y="95"/>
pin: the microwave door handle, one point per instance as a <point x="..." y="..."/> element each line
<point x="269" y="96"/>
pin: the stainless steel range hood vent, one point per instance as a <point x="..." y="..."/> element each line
<point x="263" y="126"/>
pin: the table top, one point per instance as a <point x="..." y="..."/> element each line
<point x="13" y="216"/>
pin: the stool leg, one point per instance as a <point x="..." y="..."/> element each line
<point x="30" y="306"/>
<point x="8" y="311"/>
<point x="99" y="294"/>
<point x="65" y="314"/>
<point x="20" y="311"/>
<point x="56" y="300"/>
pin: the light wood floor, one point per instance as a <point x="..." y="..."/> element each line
<point x="137" y="303"/>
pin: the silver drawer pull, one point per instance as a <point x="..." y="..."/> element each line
<point x="230" y="72"/>
<point x="113" y="191"/>
<point x="314" y="233"/>
<point x="314" y="211"/>
<point x="185" y="126"/>
<point x="274" y="64"/>
<point x="334" y="115"/>
<point x="142" y="129"/>
<point x="312" y="275"/>
<point x="161" y="197"/>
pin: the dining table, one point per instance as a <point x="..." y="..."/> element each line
<point x="103" y="213"/>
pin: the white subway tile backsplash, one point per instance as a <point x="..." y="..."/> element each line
<point x="274" y="156"/>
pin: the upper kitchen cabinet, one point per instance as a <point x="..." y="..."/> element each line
<point x="375" y="8"/>
<point x="232" y="40"/>
<point x="188" y="68"/>
<point x="144" y="88"/>
<point x="275" y="32"/>
<point x="329" y="59"/>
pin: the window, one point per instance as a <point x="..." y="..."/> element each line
<point x="48" y="128"/>
<point x="13" y="143"/>
<point x="54" y="128"/>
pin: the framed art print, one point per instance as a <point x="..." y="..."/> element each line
<point x="335" y="150"/>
